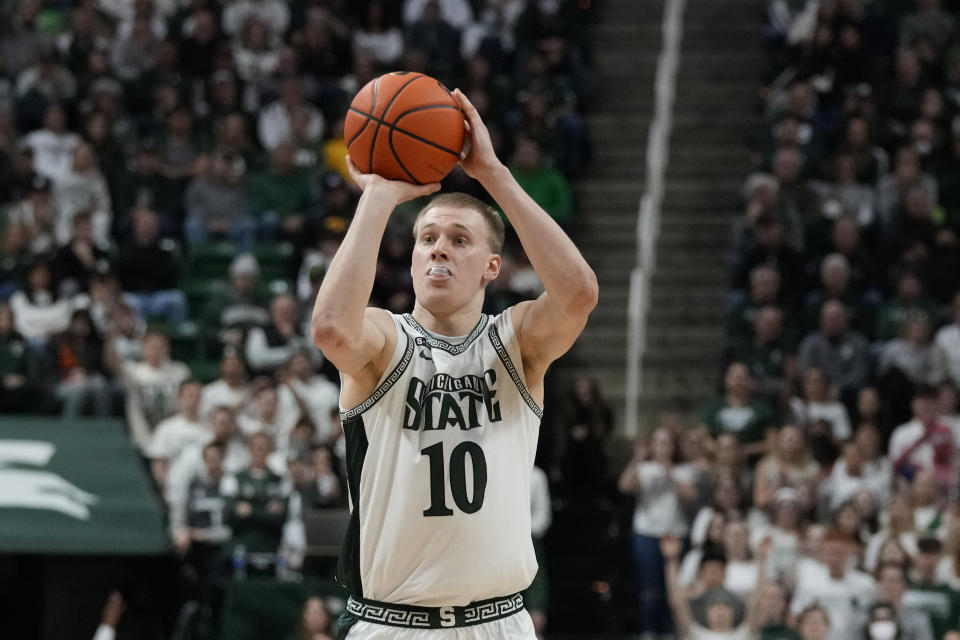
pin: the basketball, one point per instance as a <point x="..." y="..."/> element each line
<point x="404" y="126"/>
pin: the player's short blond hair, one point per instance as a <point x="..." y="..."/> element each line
<point x="496" y="230"/>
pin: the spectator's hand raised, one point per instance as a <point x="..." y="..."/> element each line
<point x="670" y="547"/>
<point x="113" y="610"/>
<point x="479" y="159"/>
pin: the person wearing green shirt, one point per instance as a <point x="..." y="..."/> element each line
<point x="910" y="303"/>
<point x="926" y="593"/>
<point x="545" y="185"/>
<point x="738" y="412"/>
<point x="283" y="196"/>
<point x="773" y="609"/>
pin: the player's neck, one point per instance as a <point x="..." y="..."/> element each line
<point x="458" y="323"/>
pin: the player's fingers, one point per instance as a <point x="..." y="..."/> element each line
<point x="465" y="104"/>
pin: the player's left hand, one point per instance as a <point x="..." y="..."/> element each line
<point x="479" y="159"/>
<point x="396" y="190"/>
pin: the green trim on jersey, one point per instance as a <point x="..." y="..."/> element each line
<point x="348" y="564"/>
<point x="436" y="343"/>
<point x="384" y="386"/>
<point x="512" y="370"/>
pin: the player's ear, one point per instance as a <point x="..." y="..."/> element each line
<point x="493" y="268"/>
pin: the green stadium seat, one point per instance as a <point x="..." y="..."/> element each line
<point x="211" y="260"/>
<point x="274" y="259"/>
<point x="184" y="341"/>
<point x="199" y="290"/>
<point x="204" y="370"/>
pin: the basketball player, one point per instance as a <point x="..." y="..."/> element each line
<point x="441" y="407"/>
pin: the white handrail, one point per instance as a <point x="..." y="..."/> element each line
<point x="648" y="217"/>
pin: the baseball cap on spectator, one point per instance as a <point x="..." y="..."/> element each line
<point x="244" y="264"/>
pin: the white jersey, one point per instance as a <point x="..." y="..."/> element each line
<point x="439" y="460"/>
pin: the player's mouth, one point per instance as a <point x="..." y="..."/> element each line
<point x="438" y="274"/>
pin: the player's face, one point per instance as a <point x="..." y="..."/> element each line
<point x="452" y="261"/>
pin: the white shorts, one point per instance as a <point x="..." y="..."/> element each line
<point x="519" y="626"/>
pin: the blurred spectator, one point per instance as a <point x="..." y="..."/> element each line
<point x="769" y="356"/>
<point x="660" y="488"/>
<point x="947" y="347"/>
<point x="275" y="122"/>
<point x="900" y="532"/>
<point x="256" y="503"/>
<point x="267" y="416"/>
<point x="925" y="442"/>
<point x="134" y="54"/>
<point x="216" y="203"/>
<point x="841" y="353"/>
<point x="457" y="13"/>
<point x="274" y="14"/>
<point x="586" y="425"/>
<point x="824" y="419"/>
<point x="736" y="411"/>
<point x="437" y="39"/>
<point x="77" y="262"/>
<point x="835" y="284"/>
<point x="324" y="490"/>
<point x="82" y="187"/>
<point x="546" y="186"/>
<point x="306" y="392"/>
<point x="929" y="515"/>
<point x="77" y="358"/>
<point x="124" y="334"/>
<point x="228" y="315"/>
<point x="254" y="52"/>
<point x="844" y="593"/>
<point x="36" y="214"/>
<point x="844" y="195"/>
<point x="772" y="248"/>
<point x="929" y="23"/>
<point x="144" y="186"/>
<point x="788" y="465"/>
<point x="376" y="38"/>
<point x="191" y="461"/>
<point x="184" y="428"/>
<point x="148" y="271"/>
<point x="38" y="314"/>
<point x="152" y="386"/>
<point x="889" y="609"/>
<point x="18" y="389"/>
<point x="268" y="347"/>
<point x="315" y="622"/>
<point x="230" y="389"/>
<point x="112" y="610"/>
<point x="909" y="303"/>
<point x="850" y="479"/>
<point x="23" y="42"/>
<point x="282" y="196"/>
<point x="764" y="291"/>
<point x="52" y="145"/>
<point x="892" y="189"/>
<point x="905" y="363"/>
<point x="537" y="596"/>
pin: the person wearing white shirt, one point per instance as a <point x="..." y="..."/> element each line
<point x="844" y="593"/>
<point x="849" y="479"/>
<point x="816" y="405"/>
<point x="274" y="13"/>
<point x="456" y="13"/>
<point x="274" y="125"/>
<point x="376" y="39"/>
<point x="230" y="389"/>
<point x="305" y="392"/>
<point x="926" y="442"/>
<point x="82" y="187"/>
<point x="269" y="347"/>
<point x="267" y="416"/>
<point x="947" y="347"/>
<point x="37" y="315"/>
<point x="660" y="486"/>
<point x="182" y="429"/>
<point x="52" y="145"/>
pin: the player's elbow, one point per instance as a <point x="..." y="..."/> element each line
<point x="584" y="293"/>
<point x="326" y="332"/>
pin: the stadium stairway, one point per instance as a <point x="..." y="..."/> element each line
<point x="714" y="109"/>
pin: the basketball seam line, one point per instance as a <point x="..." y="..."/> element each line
<point x="373" y="106"/>
<point x="397" y="157"/>
<point x="373" y="143"/>
<point x="407" y="133"/>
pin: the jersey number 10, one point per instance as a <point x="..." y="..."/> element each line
<point x="458" y="478"/>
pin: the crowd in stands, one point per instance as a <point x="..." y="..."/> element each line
<point x="816" y="496"/>
<point x="173" y="184"/>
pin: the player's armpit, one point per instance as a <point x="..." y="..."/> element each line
<point x="546" y="331"/>
<point x="358" y="353"/>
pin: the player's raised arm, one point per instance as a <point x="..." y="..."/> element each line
<point x="350" y="335"/>
<point x="549" y="325"/>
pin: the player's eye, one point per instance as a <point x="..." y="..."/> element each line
<point x="428" y="238"/>
<point x="461" y="240"/>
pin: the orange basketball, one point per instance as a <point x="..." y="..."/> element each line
<point x="404" y="126"/>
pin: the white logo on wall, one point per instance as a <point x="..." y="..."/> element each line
<point x="36" y="488"/>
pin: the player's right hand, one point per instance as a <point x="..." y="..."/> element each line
<point x="396" y="191"/>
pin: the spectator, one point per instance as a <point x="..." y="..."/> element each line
<point x="77" y="262"/>
<point x="457" y="13"/>
<point x="273" y="13"/>
<point x="36" y="214"/>
<point x="15" y="258"/>
<point x="112" y="610"/>
<point x="190" y="462"/>
<point x="847" y="240"/>
<point x="438" y="40"/>
<point x="741" y="575"/>
<point x="315" y="621"/>
<point x="270" y="346"/>
<point x="586" y="424"/>
<point x="849" y="480"/>
<point x="822" y="417"/>
<point x="184" y="428"/>
<point x="254" y="53"/>
<point x="82" y="187"/>
<point x="835" y="285"/>
<point x="537" y="594"/>
<point x="256" y="504"/>
<point x="929" y="23"/>
<point x="947" y="347"/>
<point x="37" y="313"/>
<point x="124" y="334"/>
<point x="900" y="530"/>
<point x="148" y="271"/>
<point x="376" y="38"/>
<point x="77" y="357"/>
<point x="764" y="291"/>
<point x="925" y="442"/>
<point x="905" y="363"/>
<point x="844" y="195"/>
<point x="152" y="387"/>
<point x="909" y="303"/>
<point x="144" y="186"/>
<point x="282" y="196"/>
<point x="844" y="593"/>
<point x="706" y="538"/>
<point x="660" y="488"/>
<point x="788" y="465"/>
<point x="228" y="316"/>
<point x="52" y="145"/>
<point x="738" y="412"/>
<point x="17" y="387"/>
<point x="813" y="623"/>
<point x="911" y="624"/>
<point x="772" y="609"/>
<point x="231" y="389"/>
<point x="216" y="204"/>
<point x="306" y="392"/>
<point x="892" y="189"/>
<point x="929" y="512"/>
<point x="772" y="248"/>
<point x="324" y="490"/>
<point x="546" y="186"/>
<point x="274" y="124"/>
<point x="841" y="353"/>
<point x="267" y="416"/>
